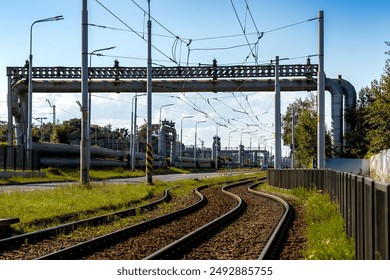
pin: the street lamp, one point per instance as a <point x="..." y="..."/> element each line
<point x="244" y="132"/>
<point x="30" y="86"/>
<point x="181" y="137"/>
<point x="216" y="146"/>
<point x="159" y="120"/>
<point x="196" y="130"/>
<point x="229" y="138"/>
<point x="229" y="145"/>
<point x="95" y="52"/>
<point x="134" y="128"/>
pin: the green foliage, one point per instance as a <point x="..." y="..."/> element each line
<point x="378" y="114"/>
<point x="3" y="131"/>
<point x="74" y="199"/>
<point x="326" y="236"/>
<point x="142" y="133"/>
<point x="305" y="133"/>
<point x="357" y="135"/>
<point x="29" y="206"/>
<point x="370" y="128"/>
<point x="60" y="134"/>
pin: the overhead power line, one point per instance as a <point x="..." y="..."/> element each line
<point x="135" y="32"/>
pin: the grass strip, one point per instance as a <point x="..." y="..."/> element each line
<point x="38" y="205"/>
<point x="326" y="237"/>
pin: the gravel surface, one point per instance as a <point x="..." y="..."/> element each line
<point x="152" y="240"/>
<point x="34" y="251"/>
<point x="244" y="238"/>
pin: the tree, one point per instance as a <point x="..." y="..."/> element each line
<point x="305" y="131"/>
<point x="60" y="134"/>
<point x="359" y="128"/>
<point x="142" y="137"/>
<point x="378" y="114"/>
<point x="3" y="131"/>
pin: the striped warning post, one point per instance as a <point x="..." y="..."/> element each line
<point x="149" y="163"/>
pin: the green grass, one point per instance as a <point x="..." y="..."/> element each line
<point x="67" y="200"/>
<point x="72" y="175"/>
<point x="326" y="238"/>
<point x="43" y="208"/>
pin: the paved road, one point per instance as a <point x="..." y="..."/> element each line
<point x="166" y="178"/>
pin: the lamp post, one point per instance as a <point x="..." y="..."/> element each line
<point x="30" y="86"/>
<point x="159" y="120"/>
<point x="229" y="144"/>
<point x="244" y="132"/>
<point x="216" y="147"/>
<point x="134" y="128"/>
<point x="196" y="130"/>
<point x="229" y="138"/>
<point x="241" y="150"/>
<point x="94" y="52"/>
<point x="181" y="137"/>
<point x="160" y="144"/>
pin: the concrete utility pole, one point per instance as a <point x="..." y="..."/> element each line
<point x="321" y="95"/>
<point x="85" y="144"/>
<point x="278" y="121"/>
<point x="149" y="150"/>
<point x="54" y="111"/>
<point x="196" y="132"/>
<point x="292" y="164"/>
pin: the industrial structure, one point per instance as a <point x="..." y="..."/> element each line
<point x="174" y="79"/>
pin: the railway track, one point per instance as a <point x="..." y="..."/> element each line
<point x="252" y="230"/>
<point x="168" y="236"/>
<point x="11" y="247"/>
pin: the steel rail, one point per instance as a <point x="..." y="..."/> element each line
<point x="104" y="241"/>
<point x="280" y="228"/>
<point x="178" y="247"/>
<point x="99" y="243"/>
<point x="36" y="236"/>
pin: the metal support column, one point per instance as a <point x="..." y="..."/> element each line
<point x="149" y="150"/>
<point x="84" y="145"/>
<point x="292" y="164"/>
<point x="278" y="120"/>
<point x="10" y="120"/>
<point x="321" y="95"/>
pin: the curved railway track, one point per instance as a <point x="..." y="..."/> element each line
<point x="181" y="233"/>
<point x="252" y="230"/>
<point x="10" y="247"/>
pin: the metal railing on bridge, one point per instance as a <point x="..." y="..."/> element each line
<point x="363" y="203"/>
<point x="178" y="72"/>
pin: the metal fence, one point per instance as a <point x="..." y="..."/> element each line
<point x="17" y="158"/>
<point x="363" y="203"/>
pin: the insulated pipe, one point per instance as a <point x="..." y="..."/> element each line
<point x="333" y="86"/>
<point x="75" y="149"/>
<point x="350" y="102"/>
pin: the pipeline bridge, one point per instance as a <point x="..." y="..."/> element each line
<point x="213" y="78"/>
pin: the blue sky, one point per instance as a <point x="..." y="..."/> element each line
<point x="355" y="32"/>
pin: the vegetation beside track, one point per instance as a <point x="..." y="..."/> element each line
<point x="326" y="238"/>
<point x="43" y="208"/>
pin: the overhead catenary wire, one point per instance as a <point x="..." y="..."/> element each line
<point x="243" y="30"/>
<point x="124" y="23"/>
